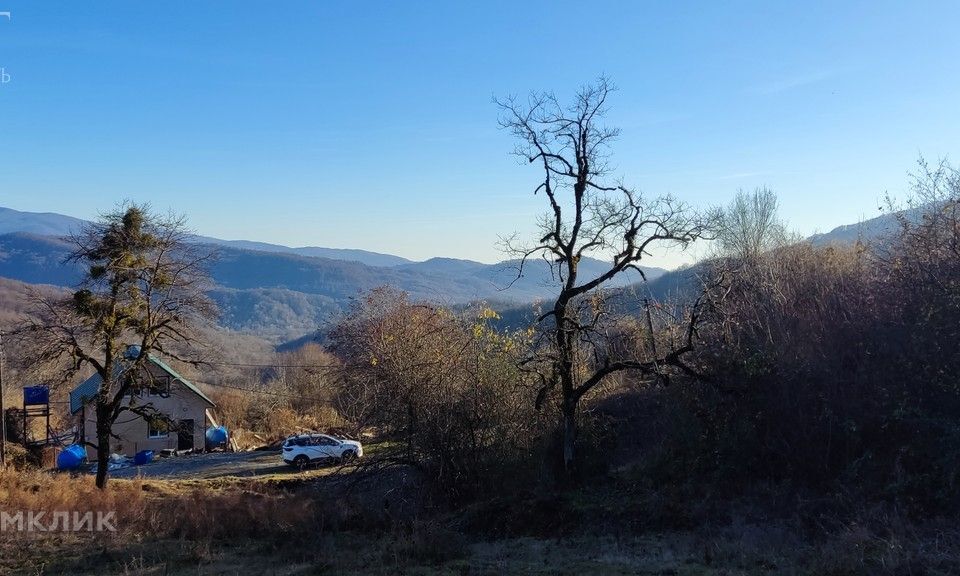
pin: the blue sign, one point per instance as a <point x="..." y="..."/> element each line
<point x="34" y="395"/>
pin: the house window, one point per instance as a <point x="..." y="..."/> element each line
<point x="157" y="429"/>
<point x="158" y="388"/>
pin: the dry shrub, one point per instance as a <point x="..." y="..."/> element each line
<point x="424" y="541"/>
<point x="295" y="395"/>
<point x="832" y="370"/>
<point x="232" y="406"/>
<point x="34" y="491"/>
<point x="885" y="546"/>
<point x="202" y="513"/>
<point x="445" y="387"/>
<point x="160" y="510"/>
<point x="18" y="457"/>
<point x="247" y="414"/>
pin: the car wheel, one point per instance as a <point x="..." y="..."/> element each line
<point x="301" y="461"/>
<point x="348" y="455"/>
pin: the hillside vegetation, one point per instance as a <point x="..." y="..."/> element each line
<point x="815" y="431"/>
<point x="819" y="438"/>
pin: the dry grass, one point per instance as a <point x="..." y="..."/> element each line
<point x="164" y="509"/>
<point x="36" y="491"/>
<point x="243" y="526"/>
<point x="146" y="510"/>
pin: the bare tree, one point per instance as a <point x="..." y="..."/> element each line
<point x="144" y="285"/>
<point x="590" y="214"/>
<point x="750" y="225"/>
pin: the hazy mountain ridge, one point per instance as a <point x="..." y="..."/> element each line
<point x="40" y="223"/>
<point x="281" y="292"/>
<point x="37" y="259"/>
<point x="348" y="254"/>
<point x="871" y="229"/>
<point x="59" y="225"/>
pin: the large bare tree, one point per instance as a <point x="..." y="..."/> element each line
<point x="591" y="214"/>
<point x="143" y="285"/>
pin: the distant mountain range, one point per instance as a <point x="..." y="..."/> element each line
<point x="40" y="223"/>
<point x="870" y="230"/>
<point x="50" y="224"/>
<point x="281" y="292"/>
<point x="349" y="254"/>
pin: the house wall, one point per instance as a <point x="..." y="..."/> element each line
<point x="182" y="404"/>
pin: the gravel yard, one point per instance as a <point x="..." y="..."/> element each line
<point x="210" y="465"/>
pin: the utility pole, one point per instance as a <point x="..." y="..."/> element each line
<point x="3" y="412"/>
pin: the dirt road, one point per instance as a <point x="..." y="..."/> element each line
<point x="212" y="465"/>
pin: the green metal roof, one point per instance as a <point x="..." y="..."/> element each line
<point x="84" y="392"/>
<point x="87" y="389"/>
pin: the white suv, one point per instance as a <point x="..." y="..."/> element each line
<point x="302" y="449"/>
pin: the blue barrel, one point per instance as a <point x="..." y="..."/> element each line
<point x="143" y="457"/>
<point x="71" y="457"/>
<point x="216" y="435"/>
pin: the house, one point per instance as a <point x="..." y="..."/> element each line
<point x="178" y="411"/>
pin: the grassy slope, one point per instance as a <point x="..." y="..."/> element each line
<point x="265" y="525"/>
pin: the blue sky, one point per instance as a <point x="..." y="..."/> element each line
<point x="370" y="125"/>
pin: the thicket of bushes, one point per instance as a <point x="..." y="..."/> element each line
<point x="829" y="393"/>
<point x="445" y="389"/>
<point x="834" y="370"/>
<point x="827" y="371"/>
<point x="296" y="394"/>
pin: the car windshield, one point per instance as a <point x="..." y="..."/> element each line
<point x="314" y="440"/>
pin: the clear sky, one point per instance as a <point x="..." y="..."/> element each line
<point x="370" y="124"/>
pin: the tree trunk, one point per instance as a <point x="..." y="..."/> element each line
<point x="103" y="446"/>
<point x="569" y="436"/>
<point x="565" y="367"/>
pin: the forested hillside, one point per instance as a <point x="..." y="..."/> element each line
<point x="282" y="293"/>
